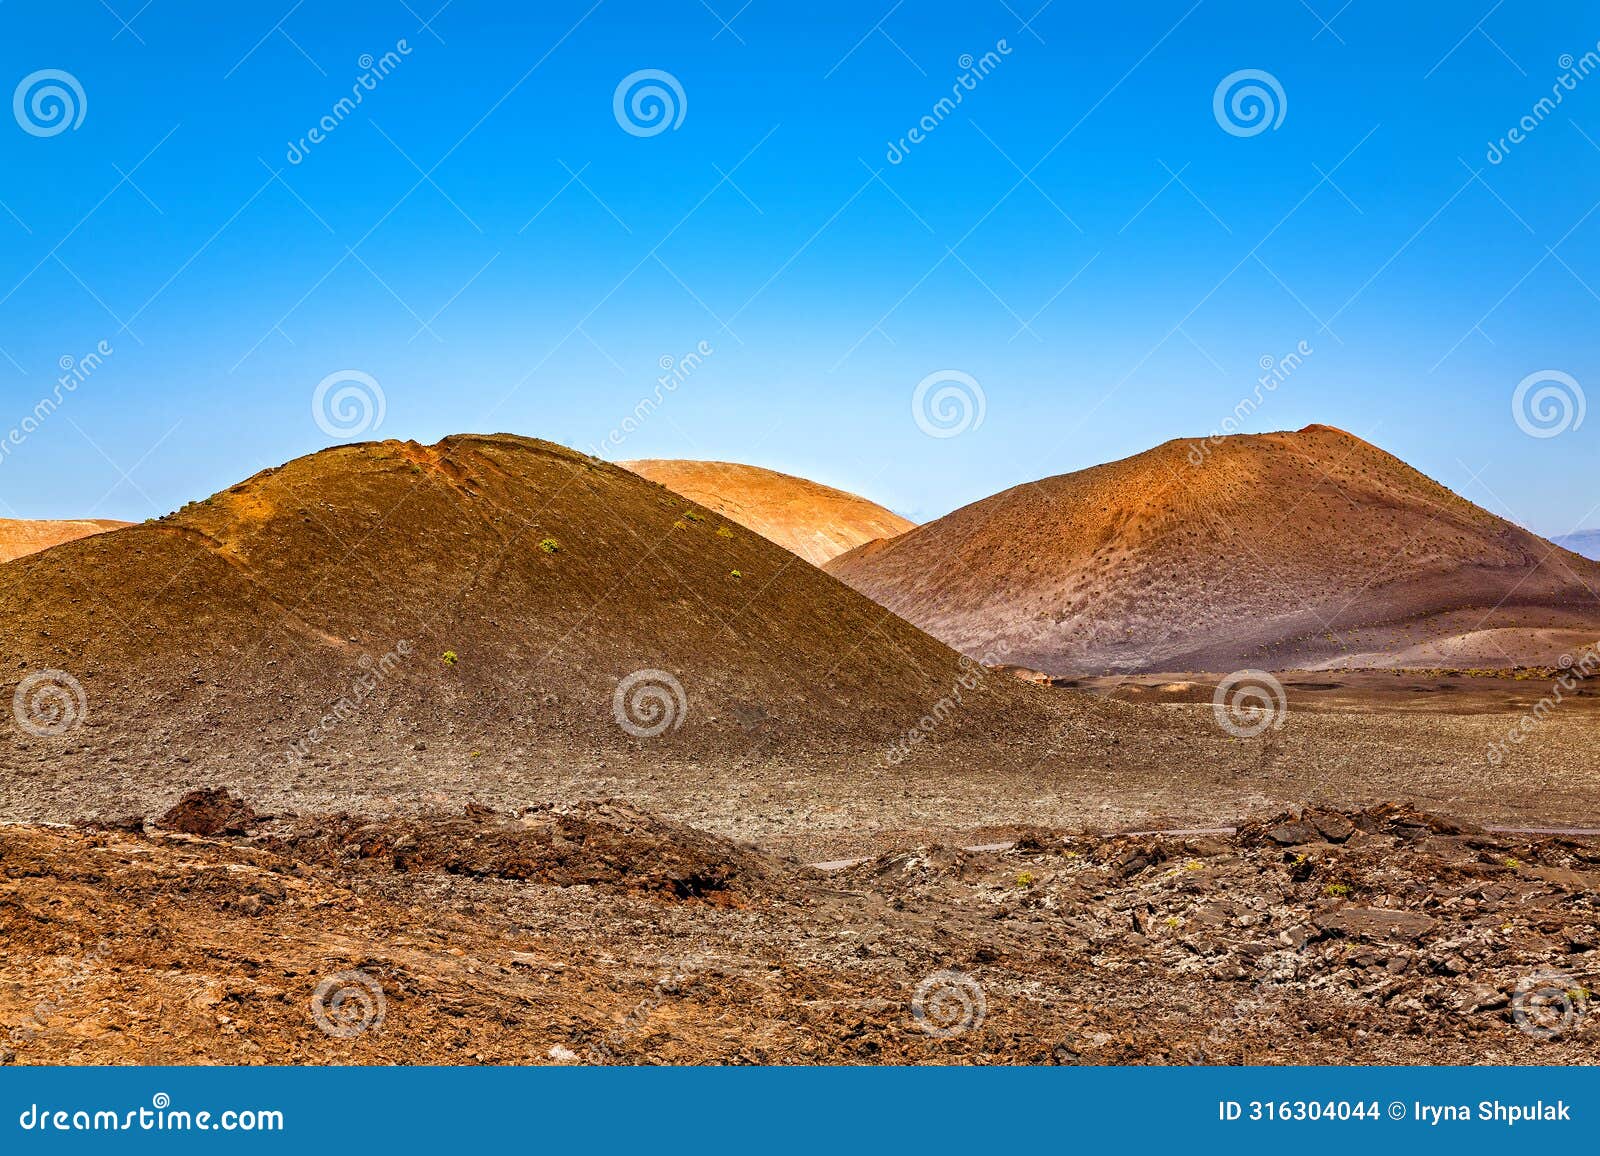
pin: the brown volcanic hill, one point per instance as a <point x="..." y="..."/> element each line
<point x="22" y="536"/>
<point x="814" y="521"/>
<point x="1275" y="550"/>
<point x="393" y="606"/>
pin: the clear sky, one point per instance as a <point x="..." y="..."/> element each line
<point x="1103" y="252"/>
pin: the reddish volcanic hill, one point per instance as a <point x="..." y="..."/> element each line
<point x="1274" y="550"/>
<point x="23" y="536"/>
<point x="480" y="599"/>
<point x="814" y="521"/>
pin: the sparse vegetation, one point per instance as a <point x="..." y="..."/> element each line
<point x="550" y="546"/>
<point x="449" y="658"/>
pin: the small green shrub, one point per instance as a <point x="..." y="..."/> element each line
<point x="550" y="546"/>
<point x="449" y="658"/>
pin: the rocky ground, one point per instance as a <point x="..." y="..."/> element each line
<point x="594" y="932"/>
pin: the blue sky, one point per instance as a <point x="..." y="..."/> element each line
<point x="1081" y="236"/>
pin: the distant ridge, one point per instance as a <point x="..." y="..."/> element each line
<point x="20" y="537"/>
<point x="1585" y="542"/>
<point x="807" y="518"/>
